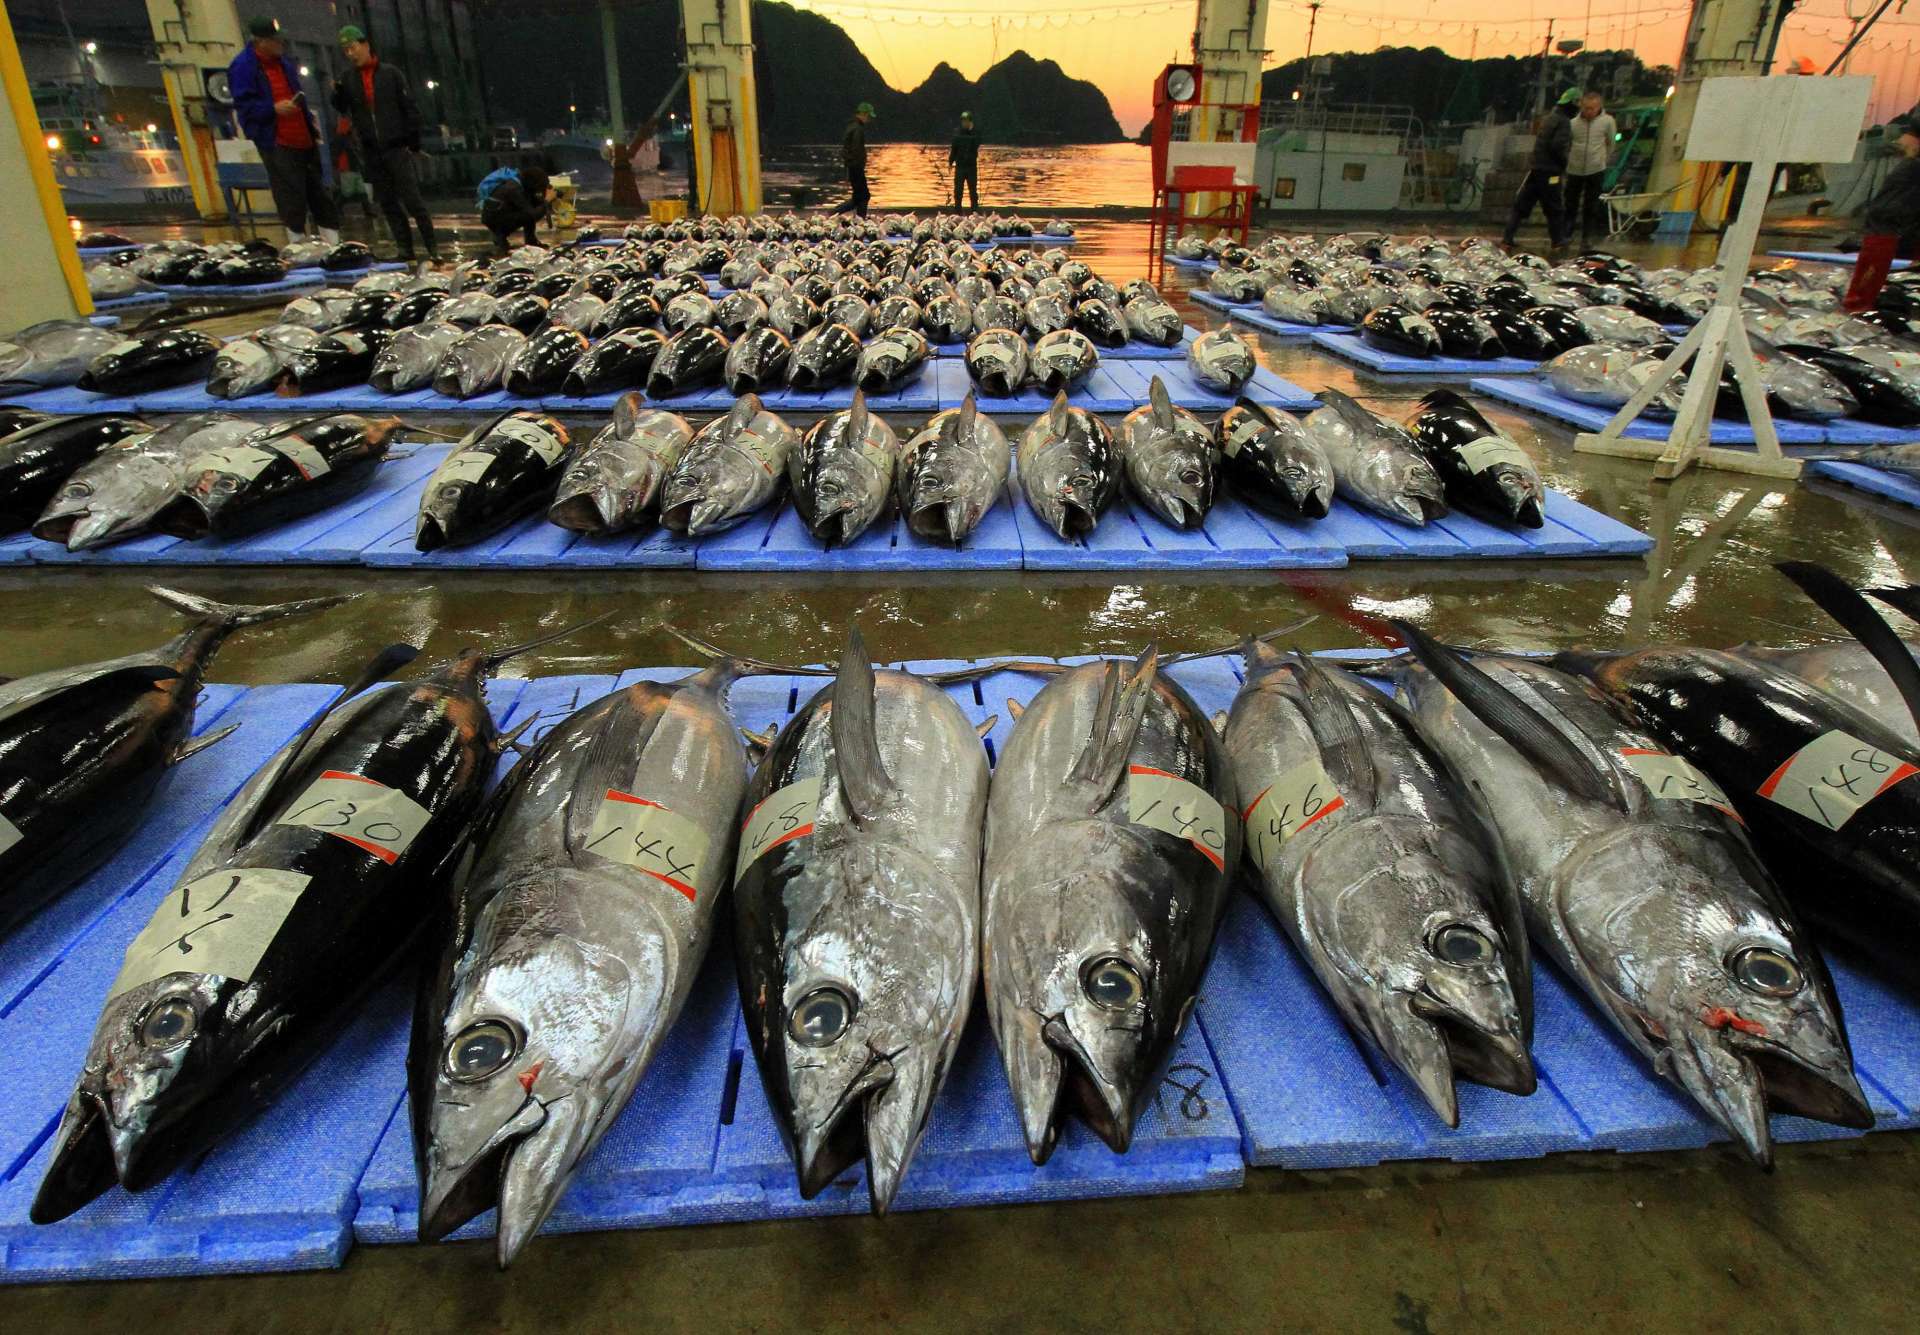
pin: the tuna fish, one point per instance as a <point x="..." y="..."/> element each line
<point x="689" y="310"/>
<point x="997" y="359"/>
<point x="1070" y="469"/>
<point x="734" y="465"/>
<point x="614" y="483"/>
<point x="841" y="474"/>
<point x="117" y="495"/>
<point x="1273" y="463"/>
<point x="1285" y="302"/>
<point x="792" y="314"/>
<point x="824" y="356"/>
<point x="1171" y="461"/>
<point x="476" y="362"/>
<point x="276" y="475"/>
<point x="1112" y="844"/>
<point x="1062" y="360"/>
<point x="1376" y="463"/>
<point x="54" y="352"/>
<point x="633" y="307"/>
<point x="1100" y="323"/>
<point x="952" y="472"/>
<point x="1152" y="320"/>
<point x="857" y="918"/>
<point x="541" y="364"/>
<point x="690" y="360"/>
<point x="1377" y="863"/>
<point x="1222" y="360"/>
<point x="252" y="364"/>
<point x="88" y="746"/>
<point x="342" y="358"/>
<point x="410" y="357"/>
<point x="947" y="320"/>
<point x="152" y="361"/>
<point x="620" y="361"/>
<point x="1485" y="473"/>
<point x="504" y="468"/>
<point x="890" y="359"/>
<point x="37" y="459"/>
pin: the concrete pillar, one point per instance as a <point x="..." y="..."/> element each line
<point x="187" y="39"/>
<point x="1229" y="41"/>
<point x="42" y="278"/>
<point x="1724" y="37"/>
<point x="616" y="111"/>
<point x="726" y="105"/>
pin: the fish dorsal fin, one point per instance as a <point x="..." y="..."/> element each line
<point x="1124" y="691"/>
<point x="1515" y="721"/>
<point x="1162" y="405"/>
<point x="1057" y="414"/>
<point x="1343" y="750"/>
<point x="1258" y="654"/>
<point x="969" y="416"/>
<point x="985" y="726"/>
<point x="1844" y="603"/>
<point x="1348" y="410"/>
<point x="1765" y="300"/>
<point x="1016" y="709"/>
<point x="857" y="419"/>
<point x="865" y="787"/>
<point x="1260" y="410"/>
<point x="744" y="410"/>
<point x="619" y="744"/>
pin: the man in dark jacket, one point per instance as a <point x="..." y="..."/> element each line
<point x="1890" y="220"/>
<point x="521" y="199"/>
<point x="965" y="157"/>
<point x="273" y="113"/>
<point x="387" y="124"/>
<point x="853" y="153"/>
<point x="1546" y="173"/>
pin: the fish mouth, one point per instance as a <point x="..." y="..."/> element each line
<point x="1738" y="1082"/>
<point x="745" y="382"/>
<point x="1054" y="380"/>
<point x="661" y="387"/>
<point x="879" y="1118"/>
<point x="876" y="382"/>
<point x="84" y="1166"/>
<point x="1000" y="384"/>
<point x="802" y="377"/>
<point x="1053" y="1077"/>
<point x="692" y="518"/>
<point x="1527" y="511"/>
<point x="590" y="510"/>
<point x="1077" y="520"/>
<point x="429" y="534"/>
<point x="1434" y="1042"/>
<point x="1314" y="502"/>
<point x="941" y="521"/>
<point x="184" y="517"/>
<point x="837" y="527"/>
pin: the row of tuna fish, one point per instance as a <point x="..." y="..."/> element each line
<point x="1660" y="822"/>
<point x="1877" y="381"/>
<point x="222" y="264"/>
<point x="978" y="228"/>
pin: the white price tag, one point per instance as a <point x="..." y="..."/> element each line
<point x="1830" y="778"/>
<point x="220" y="923"/>
<point x="462" y="466"/>
<point x="9" y="834"/>
<point x="123" y="347"/>
<point x="536" y="436"/>
<point x="247" y="461"/>
<point x="762" y="441"/>
<point x="786" y="814"/>
<point x="1163" y="801"/>
<point x="364" y="812"/>
<point x="1482" y="454"/>
<point x="244" y="352"/>
<point x="1671" y="777"/>
<point x="1242" y="431"/>
<point x="353" y="343"/>
<point x="1305" y="795"/>
<point x="652" y="839"/>
<point x="304" y="457"/>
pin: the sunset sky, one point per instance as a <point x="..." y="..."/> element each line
<point x="1121" y="44"/>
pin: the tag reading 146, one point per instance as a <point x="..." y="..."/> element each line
<point x="786" y="814"/>
<point x="220" y="923"/>
<point x="364" y="812"/>
<point x="1303" y="796"/>
<point x="1830" y="778"/>
<point x="1163" y="801"/>
<point x="652" y="839"/>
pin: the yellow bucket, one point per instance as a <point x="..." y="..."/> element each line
<point x="667" y="210"/>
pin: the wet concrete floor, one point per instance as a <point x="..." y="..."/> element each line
<point x="1698" y="1240"/>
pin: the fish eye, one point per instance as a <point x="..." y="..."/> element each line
<point x="76" y="491"/>
<point x="1190" y="476"/>
<point x="1112" y="984"/>
<point x="481" y="1049"/>
<point x="1767" y="971"/>
<point x="1462" y="945"/>
<point x="821" y="1017"/>
<point x="169" y="1023"/>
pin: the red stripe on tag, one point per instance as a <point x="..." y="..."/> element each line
<point x="1773" y="779"/>
<point x="1219" y="862"/>
<point x="615" y="795"/>
<point x="790" y="836"/>
<point x="1642" y="751"/>
<point x="357" y="778"/>
<point x="681" y="886"/>
<point x="1248" y="813"/>
<point x="1904" y="772"/>
<point x="1148" y="769"/>
<point x="386" y="855"/>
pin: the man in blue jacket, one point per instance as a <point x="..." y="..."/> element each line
<point x="273" y="112"/>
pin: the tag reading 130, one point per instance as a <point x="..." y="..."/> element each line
<point x="220" y="923"/>
<point x="1162" y="801"/>
<point x="786" y="814"/>
<point x="364" y="812"/>
<point x="1303" y="796"/>
<point x="1830" y="778"/>
<point x="652" y="839"/>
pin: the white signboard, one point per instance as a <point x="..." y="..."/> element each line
<point x="1778" y="118"/>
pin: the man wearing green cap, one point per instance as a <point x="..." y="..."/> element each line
<point x="375" y="95"/>
<point x="853" y="152"/>
<point x="965" y="157"/>
<point x="272" y="110"/>
<point x="1546" y="173"/>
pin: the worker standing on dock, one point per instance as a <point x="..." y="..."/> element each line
<point x="1589" y="154"/>
<point x="1890" y="222"/>
<point x="964" y="155"/>
<point x="386" y="121"/>
<point x="1545" y="175"/>
<point x="273" y="113"/>
<point x="853" y="153"/>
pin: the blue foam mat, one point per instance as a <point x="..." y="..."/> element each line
<point x="330" y="1163"/>
<point x="1182" y="262"/>
<point x="1827" y="257"/>
<point x="129" y="302"/>
<point x="1881" y="482"/>
<point x="104" y="252"/>
<point x="1538" y="396"/>
<point x="1353" y="348"/>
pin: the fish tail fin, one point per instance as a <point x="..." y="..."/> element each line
<point x="1240" y="646"/>
<point x="493" y="659"/>
<point x="233" y="616"/>
<point x="1512" y="719"/>
<point x="1124" y="691"/>
<point x="1844" y="603"/>
<point x="730" y="665"/>
<point x="1904" y="599"/>
<point x="865" y="785"/>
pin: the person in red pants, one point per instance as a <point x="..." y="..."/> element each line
<point x="1890" y="222"/>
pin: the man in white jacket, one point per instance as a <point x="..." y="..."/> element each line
<point x="1587" y="160"/>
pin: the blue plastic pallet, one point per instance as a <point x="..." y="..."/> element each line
<point x="1182" y="262"/>
<point x="1881" y="482"/>
<point x="1540" y="397"/>
<point x="1122" y="386"/>
<point x="1131" y="350"/>
<point x="131" y="301"/>
<point x="1827" y="257"/>
<point x="104" y="252"/>
<point x="1255" y="317"/>
<point x="1353" y="348"/>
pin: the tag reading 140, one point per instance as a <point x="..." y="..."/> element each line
<point x="220" y="923"/>
<point x="652" y="839"/>
<point x="1830" y="778"/>
<point x="1163" y="801"/>
<point x="1303" y="796"/>
<point x="364" y="812"/>
<point x="786" y="814"/>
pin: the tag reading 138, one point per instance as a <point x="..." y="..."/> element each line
<point x="652" y="839"/>
<point x="364" y="812"/>
<point x="1163" y="801"/>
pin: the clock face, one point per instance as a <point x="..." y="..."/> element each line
<point x="1180" y="87"/>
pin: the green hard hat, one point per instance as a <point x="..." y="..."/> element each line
<point x="864" y="109"/>
<point x="350" y="33"/>
<point x="1571" y="95"/>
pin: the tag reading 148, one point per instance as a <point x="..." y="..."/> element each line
<point x="786" y="814"/>
<point x="652" y="839"/>
<point x="1830" y="778"/>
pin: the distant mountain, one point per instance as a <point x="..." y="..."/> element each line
<point x="810" y="75"/>
<point x="1441" y="87"/>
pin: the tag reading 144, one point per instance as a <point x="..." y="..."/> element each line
<point x="364" y="812"/>
<point x="1303" y="796"/>
<point x="652" y="839"/>
<point x="1830" y="778"/>
<point x="786" y="814"/>
<point x="1163" y="801"/>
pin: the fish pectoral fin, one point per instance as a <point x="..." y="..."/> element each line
<point x="510" y="741"/>
<point x="1015" y="708"/>
<point x="193" y="746"/>
<point x="1844" y="603"/>
<point x="991" y="722"/>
